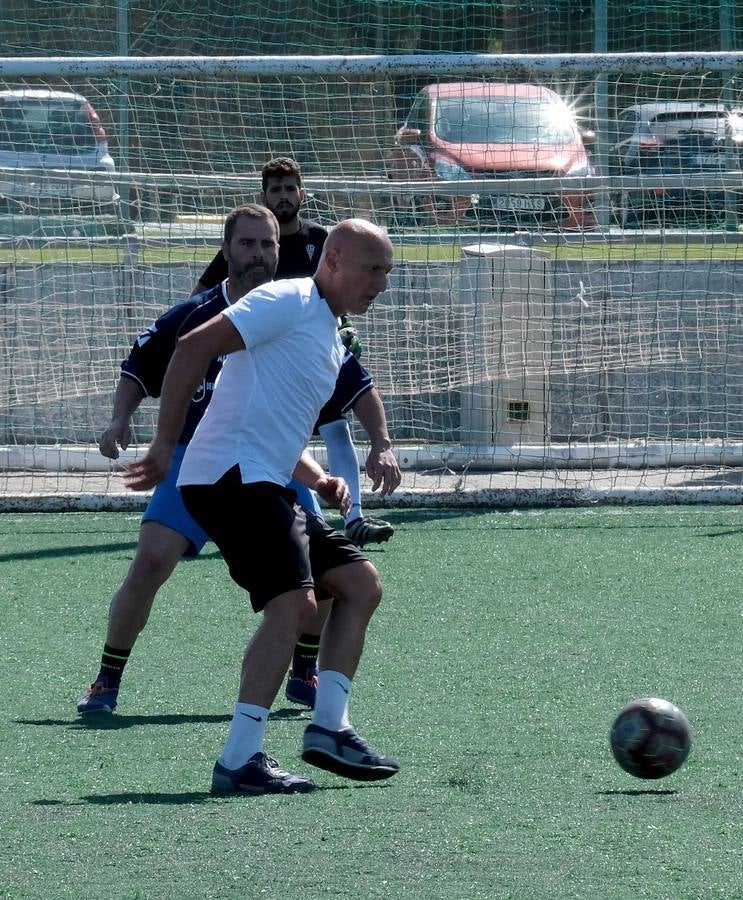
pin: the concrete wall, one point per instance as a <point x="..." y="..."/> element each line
<point x="623" y="348"/>
<point x="648" y="348"/>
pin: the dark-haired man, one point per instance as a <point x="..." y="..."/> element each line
<point x="300" y="245"/>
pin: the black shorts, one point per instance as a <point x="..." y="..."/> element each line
<point x="270" y="544"/>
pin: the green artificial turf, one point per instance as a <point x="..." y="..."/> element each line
<point x="504" y="645"/>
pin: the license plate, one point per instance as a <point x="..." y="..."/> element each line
<point x="509" y="202"/>
<point x="710" y="159"/>
<point x="50" y="189"/>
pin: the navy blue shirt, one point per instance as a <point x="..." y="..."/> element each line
<point x="151" y="352"/>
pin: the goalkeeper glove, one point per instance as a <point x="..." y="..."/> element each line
<point x="349" y="338"/>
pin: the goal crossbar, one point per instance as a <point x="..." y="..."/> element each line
<point x="455" y="64"/>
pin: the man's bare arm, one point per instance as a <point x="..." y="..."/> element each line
<point x="381" y="465"/>
<point x="127" y="398"/>
<point x="334" y="491"/>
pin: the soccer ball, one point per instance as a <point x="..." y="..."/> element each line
<point x="650" y="738"/>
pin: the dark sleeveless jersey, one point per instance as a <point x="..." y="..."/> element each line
<point x="353" y="382"/>
<point x="151" y="352"/>
<point x="299" y="255"/>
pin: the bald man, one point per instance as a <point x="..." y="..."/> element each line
<point x="282" y="361"/>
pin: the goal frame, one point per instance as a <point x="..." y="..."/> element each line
<point x="595" y="455"/>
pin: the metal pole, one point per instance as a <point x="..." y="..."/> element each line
<point x="122" y="86"/>
<point x="727" y="42"/>
<point x="601" y="101"/>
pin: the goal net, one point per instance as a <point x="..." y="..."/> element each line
<point x="565" y="319"/>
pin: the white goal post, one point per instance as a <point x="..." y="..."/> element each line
<point x="523" y="358"/>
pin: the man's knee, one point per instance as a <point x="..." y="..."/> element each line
<point x="158" y="552"/>
<point x="357" y="583"/>
<point x="371" y="590"/>
<point x="152" y="566"/>
<point x="295" y="610"/>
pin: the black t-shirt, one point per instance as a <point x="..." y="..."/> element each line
<point x="299" y="254"/>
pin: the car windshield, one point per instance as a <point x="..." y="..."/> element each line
<point x="503" y="120"/>
<point x="44" y="126"/>
<point x="671" y="125"/>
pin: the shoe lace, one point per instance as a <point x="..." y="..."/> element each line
<point x="377" y="525"/>
<point x="310" y="680"/>
<point x="273" y="764"/>
<point x="360" y="744"/>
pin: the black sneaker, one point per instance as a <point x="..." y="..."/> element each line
<point x="369" y="530"/>
<point x="260" y="775"/>
<point x="346" y="753"/>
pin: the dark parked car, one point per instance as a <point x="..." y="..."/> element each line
<point x="676" y="138"/>
<point x="490" y="130"/>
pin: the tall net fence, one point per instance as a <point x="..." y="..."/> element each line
<point x="195" y="145"/>
<point x="563" y="320"/>
<point x="215" y="27"/>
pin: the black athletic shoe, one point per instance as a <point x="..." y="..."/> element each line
<point x="369" y="530"/>
<point x="260" y="775"/>
<point x="346" y="753"/>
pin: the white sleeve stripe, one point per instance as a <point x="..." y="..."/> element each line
<point x="125" y="374"/>
<point x="360" y="393"/>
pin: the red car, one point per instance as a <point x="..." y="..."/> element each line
<point x="490" y="130"/>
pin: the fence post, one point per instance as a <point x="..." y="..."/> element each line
<point x="601" y="101"/>
<point x="727" y="42"/>
<point x="122" y="86"/>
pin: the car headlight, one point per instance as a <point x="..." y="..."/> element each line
<point x="580" y="167"/>
<point x="449" y="171"/>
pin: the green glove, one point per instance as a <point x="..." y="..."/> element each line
<point x="349" y="338"/>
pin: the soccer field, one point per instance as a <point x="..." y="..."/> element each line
<point x="410" y="248"/>
<point x="504" y="645"/>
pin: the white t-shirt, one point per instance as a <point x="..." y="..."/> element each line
<point x="268" y="396"/>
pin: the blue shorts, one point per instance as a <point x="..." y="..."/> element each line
<point x="306" y="498"/>
<point x="166" y="508"/>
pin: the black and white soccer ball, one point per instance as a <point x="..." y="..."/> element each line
<point x="650" y="738"/>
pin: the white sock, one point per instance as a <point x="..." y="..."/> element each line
<point x="245" y="736"/>
<point x="343" y="462"/>
<point x="331" y="700"/>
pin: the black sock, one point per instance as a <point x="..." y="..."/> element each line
<point x="112" y="664"/>
<point x="305" y="655"/>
